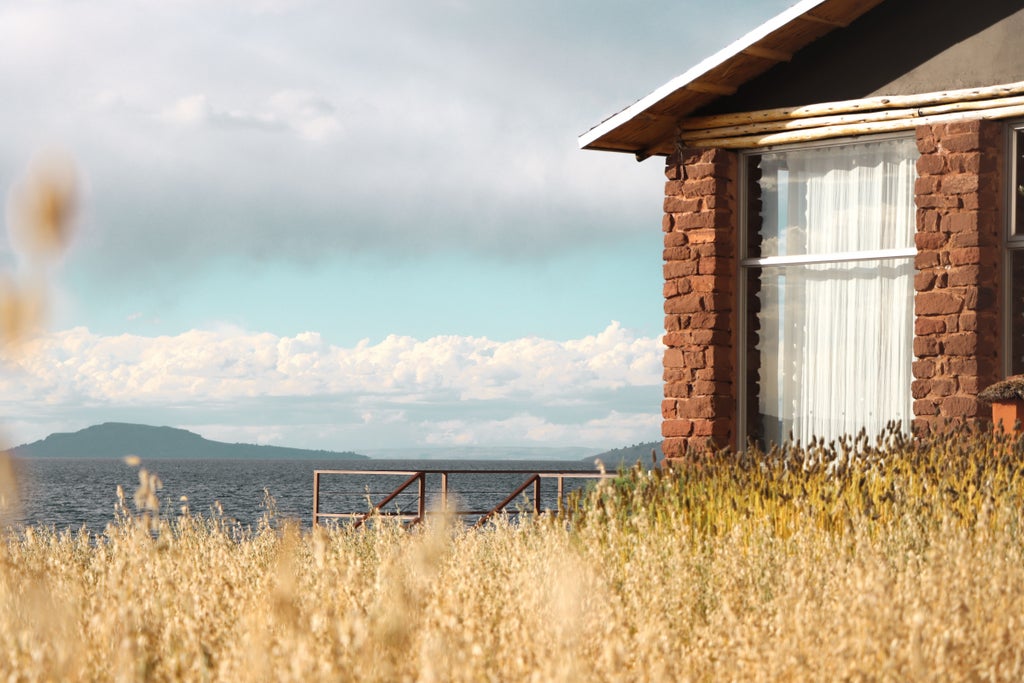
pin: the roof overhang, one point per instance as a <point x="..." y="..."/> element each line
<point x="649" y="127"/>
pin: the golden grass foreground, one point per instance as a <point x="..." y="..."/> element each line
<point x="891" y="561"/>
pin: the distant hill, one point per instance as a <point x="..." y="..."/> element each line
<point x="628" y="455"/>
<point x="117" y="439"/>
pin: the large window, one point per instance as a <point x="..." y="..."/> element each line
<point x="827" y="267"/>
<point x="1015" y="253"/>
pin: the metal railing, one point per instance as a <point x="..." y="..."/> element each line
<point x="534" y="478"/>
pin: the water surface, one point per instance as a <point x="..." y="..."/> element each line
<point x="71" y="493"/>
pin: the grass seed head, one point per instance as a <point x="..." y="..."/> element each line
<point x="9" y="499"/>
<point x="22" y="311"/>
<point x="41" y="207"/>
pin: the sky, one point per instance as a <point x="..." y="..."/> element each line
<point x="348" y="225"/>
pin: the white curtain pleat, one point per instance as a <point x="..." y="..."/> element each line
<point x="842" y="358"/>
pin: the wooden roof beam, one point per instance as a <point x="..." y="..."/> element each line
<point x="731" y="67"/>
<point x="822" y="20"/>
<point x="852" y="129"/>
<point x="737" y="130"/>
<point x="848" y="106"/>
<point x="709" y="87"/>
<point x="768" y="53"/>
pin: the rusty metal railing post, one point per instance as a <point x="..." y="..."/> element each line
<point x="316" y="498"/>
<point x="508" y="499"/>
<point x="421" y="506"/>
<point x="420" y="477"/>
<point x="391" y="496"/>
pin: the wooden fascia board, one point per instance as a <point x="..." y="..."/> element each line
<point x="711" y="88"/>
<point x="589" y="140"/>
<point x="822" y="20"/>
<point x="768" y="53"/>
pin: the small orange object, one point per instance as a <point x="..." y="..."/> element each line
<point x="1007" y="401"/>
<point x="1008" y="416"/>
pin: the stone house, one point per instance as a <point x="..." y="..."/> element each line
<point x="843" y="220"/>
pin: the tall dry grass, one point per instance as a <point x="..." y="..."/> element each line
<point x="842" y="563"/>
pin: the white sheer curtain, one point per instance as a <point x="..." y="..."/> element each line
<point x="837" y="338"/>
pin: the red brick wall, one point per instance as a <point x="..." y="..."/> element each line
<point x="700" y="227"/>
<point x="957" y="339"/>
<point x="957" y="329"/>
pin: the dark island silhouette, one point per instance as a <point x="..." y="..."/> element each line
<point x="118" y="439"/>
<point x="627" y="456"/>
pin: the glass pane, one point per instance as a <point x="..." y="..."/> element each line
<point x="1018" y="190"/>
<point x="825" y="200"/>
<point x="829" y="349"/>
<point x="1017" y="312"/>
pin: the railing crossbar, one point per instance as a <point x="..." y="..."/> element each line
<point x="535" y="480"/>
<point x="419" y="476"/>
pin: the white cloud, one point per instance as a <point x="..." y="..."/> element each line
<point x="452" y="125"/>
<point x="309" y="116"/>
<point x="185" y="116"/>
<point x="611" y="428"/>
<point x="443" y="390"/>
<point x="230" y="363"/>
<point x="312" y="116"/>
<point x="187" y="110"/>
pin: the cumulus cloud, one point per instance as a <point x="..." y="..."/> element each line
<point x="452" y="390"/>
<point x="227" y="364"/>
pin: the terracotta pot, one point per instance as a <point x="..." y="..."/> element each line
<point x="1008" y="416"/>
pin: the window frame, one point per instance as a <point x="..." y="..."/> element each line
<point x="1011" y="242"/>
<point x="745" y="262"/>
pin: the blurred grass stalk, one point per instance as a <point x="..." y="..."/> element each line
<point x="41" y="211"/>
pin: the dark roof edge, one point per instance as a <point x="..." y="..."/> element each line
<point x="591" y="139"/>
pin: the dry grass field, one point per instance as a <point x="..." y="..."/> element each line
<point x="905" y="562"/>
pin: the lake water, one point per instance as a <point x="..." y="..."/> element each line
<point x="70" y="493"/>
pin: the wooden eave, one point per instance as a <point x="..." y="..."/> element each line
<point x="650" y="126"/>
